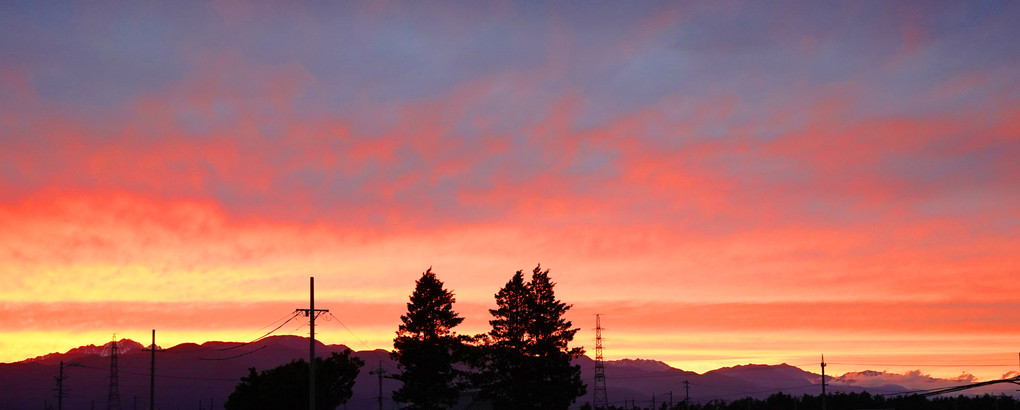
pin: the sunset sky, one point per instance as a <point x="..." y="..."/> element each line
<point x="726" y="183"/>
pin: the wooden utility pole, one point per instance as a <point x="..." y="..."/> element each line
<point x="60" y="387"/>
<point x="687" y="394"/>
<point x="380" y="372"/>
<point x="311" y="312"/>
<point x="152" y="372"/>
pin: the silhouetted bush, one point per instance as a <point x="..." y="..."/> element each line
<point x="286" y="386"/>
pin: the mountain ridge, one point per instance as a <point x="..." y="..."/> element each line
<point x="191" y="372"/>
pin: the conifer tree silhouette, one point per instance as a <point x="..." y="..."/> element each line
<point x="526" y="361"/>
<point x="426" y="347"/>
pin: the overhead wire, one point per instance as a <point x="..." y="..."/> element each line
<point x="662" y="374"/>
<point x="166" y="376"/>
<point x="260" y="338"/>
<point x="287" y="316"/>
<point x="233" y="357"/>
<point x="924" y="365"/>
<point x="341" y="323"/>
<point x="292" y="316"/>
<point x="348" y="330"/>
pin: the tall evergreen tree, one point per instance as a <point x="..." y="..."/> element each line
<point x="426" y="347"/>
<point x="527" y="357"/>
<point x="504" y="363"/>
<point x="558" y="382"/>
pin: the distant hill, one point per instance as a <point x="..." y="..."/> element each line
<point x="187" y="374"/>
<point x="124" y="346"/>
<point x="193" y="376"/>
<point x="641" y="364"/>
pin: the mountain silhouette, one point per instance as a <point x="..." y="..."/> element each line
<point x="193" y="376"/>
<point x="189" y="375"/>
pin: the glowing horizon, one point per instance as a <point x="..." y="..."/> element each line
<point x="724" y="183"/>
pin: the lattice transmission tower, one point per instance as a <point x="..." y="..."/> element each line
<point x="601" y="401"/>
<point x="113" y="399"/>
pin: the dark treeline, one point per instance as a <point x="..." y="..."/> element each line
<point x="844" y="401"/>
<point x="523" y="362"/>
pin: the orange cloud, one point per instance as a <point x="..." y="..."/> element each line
<point x="706" y="227"/>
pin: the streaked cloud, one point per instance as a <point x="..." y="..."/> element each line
<point x="789" y="169"/>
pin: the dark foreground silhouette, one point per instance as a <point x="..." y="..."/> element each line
<point x="840" y="401"/>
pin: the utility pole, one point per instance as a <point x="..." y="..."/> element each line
<point x="311" y="312"/>
<point x="60" y="387"/>
<point x="670" y="399"/>
<point x="653" y="401"/>
<point x="687" y="395"/>
<point x="152" y="372"/>
<point x="823" y="382"/>
<point x="380" y="372"/>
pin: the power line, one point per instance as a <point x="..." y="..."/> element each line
<point x="748" y="394"/>
<point x="288" y="316"/>
<point x="662" y="374"/>
<point x="233" y="357"/>
<point x="166" y="376"/>
<point x="925" y="365"/>
<point x="331" y="317"/>
<point x="348" y="330"/>
<point x="938" y="391"/>
<point x="745" y="369"/>
<point x="292" y="316"/>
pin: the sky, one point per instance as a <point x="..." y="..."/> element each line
<point x="724" y="182"/>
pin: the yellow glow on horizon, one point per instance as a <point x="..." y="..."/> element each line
<point x="693" y="315"/>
